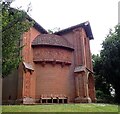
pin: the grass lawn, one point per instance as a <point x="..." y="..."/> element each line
<point x="61" y="108"/>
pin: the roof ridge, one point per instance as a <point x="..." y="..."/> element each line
<point x="85" y="25"/>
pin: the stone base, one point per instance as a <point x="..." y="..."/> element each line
<point x="28" y="100"/>
<point x="82" y="100"/>
<point x="94" y="100"/>
<point x="19" y="101"/>
<point x="25" y="100"/>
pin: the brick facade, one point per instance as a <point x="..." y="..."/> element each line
<point x="57" y="69"/>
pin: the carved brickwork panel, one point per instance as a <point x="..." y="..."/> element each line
<point x="41" y="53"/>
<point x="81" y="85"/>
<point x="80" y="90"/>
<point x="27" y="84"/>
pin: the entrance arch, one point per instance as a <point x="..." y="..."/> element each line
<point x="91" y="87"/>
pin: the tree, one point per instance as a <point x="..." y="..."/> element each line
<point x="101" y="85"/>
<point x="107" y="65"/>
<point x="110" y="55"/>
<point x="51" y="31"/>
<point x="14" y="24"/>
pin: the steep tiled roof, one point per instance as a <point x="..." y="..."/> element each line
<point x="51" y="40"/>
<point x="79" y="69"/>
<point x="37" y="26"/>
<point x="85" y="25"/>
<point x="28" y="66"/>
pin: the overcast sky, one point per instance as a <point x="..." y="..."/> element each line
<point x="102" y="15"/>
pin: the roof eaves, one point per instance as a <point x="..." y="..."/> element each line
<point x="85" y="25"/>
<point x="62" y="46"/>
<point x="28" y="66"/>
<point x="37" y="26"/>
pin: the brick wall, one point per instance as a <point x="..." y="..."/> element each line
<point x="53" y="78"/>
<point x="27" y="54"/>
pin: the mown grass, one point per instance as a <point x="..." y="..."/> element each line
<point x="61" y="108"/>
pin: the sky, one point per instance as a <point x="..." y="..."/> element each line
<point x="102" y="15"/>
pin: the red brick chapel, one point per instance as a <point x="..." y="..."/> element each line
<point x="56" y="68"/>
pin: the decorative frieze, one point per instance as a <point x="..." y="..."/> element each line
<point x="51" y="54"/>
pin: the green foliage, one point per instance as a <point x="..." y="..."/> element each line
<point x="107" y="65"/>
<point x="110" y="55"/>
<point x="51" y="31"/>
<point x="14" y="24"/>
<point x="101" y="86"/>
<point x="104" y="98"/>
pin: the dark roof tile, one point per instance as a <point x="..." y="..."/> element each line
<point x="37" y="26"/>
<point x="85" y="25"/>
<point x="51" y="40"/>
